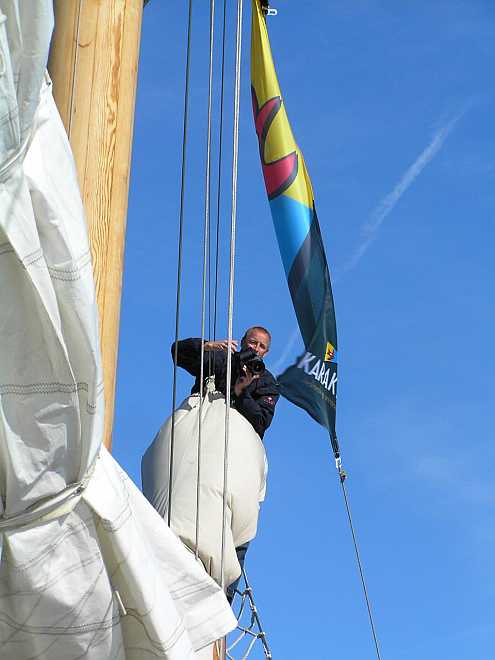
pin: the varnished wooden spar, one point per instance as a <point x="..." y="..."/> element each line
<point x="93" y="65"/>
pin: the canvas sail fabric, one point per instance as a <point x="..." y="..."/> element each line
<point x="87" y="567"/>
<point x="245" y="488"/>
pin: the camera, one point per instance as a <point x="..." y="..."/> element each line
<point x="250" y="359"/>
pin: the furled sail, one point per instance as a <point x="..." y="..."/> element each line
<point x="311" y="382"/>
<point x="197" y="508"/>
<point x="87" y="567"/>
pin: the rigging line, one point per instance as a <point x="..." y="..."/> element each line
<point x="206" y="252"/>
<point x="235" y="150"/>
<point x="220" y="153"/>
<point x="255" y="615"/>
<point x="179" y="257"/>
<point x="74" y="68"/>
<point x="342" y="477"/>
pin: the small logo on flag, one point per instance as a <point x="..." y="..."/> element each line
<point x="329" y="353"/>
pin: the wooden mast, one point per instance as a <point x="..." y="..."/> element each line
<point x="93" y="65"/>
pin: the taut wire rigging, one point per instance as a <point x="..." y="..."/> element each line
<point x="206" y="234"/>
<point x="220" y="154"/>
<point x="235" y="150"/>
<point x="179" y="256"/>
<point x="342" y="478"/>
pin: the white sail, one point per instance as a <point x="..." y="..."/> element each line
<point x="88" y="569"/>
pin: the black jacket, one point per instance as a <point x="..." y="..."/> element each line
<point x="257" y="401"/>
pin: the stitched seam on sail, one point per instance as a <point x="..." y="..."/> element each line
<point x="51" y="388"/>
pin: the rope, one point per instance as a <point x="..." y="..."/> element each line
<point x="220" y="153"/>
<point x="179" y="258"/>
<point x="74" y="69"/>
<point x="205" y="269"/>
<point x="252" y="630"/>
<point x="231" y="276"/>
<point x="342" y="478"/>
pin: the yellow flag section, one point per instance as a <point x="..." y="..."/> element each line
<point x="279" y="143"/>
<point x="286" y="179"/>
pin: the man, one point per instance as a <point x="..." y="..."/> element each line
<point x="254" y="395"/>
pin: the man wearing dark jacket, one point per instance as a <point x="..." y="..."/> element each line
<point x="254" y="395"/>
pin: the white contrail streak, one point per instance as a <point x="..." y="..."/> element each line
<point x="371" y="227"/>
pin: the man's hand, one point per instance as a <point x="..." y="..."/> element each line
<point x="221" y="345"/>
<point x="244" y="380"/>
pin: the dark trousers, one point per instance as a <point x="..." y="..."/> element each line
<point x="241" y="555"/>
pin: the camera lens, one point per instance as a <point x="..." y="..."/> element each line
<point x="256" y="365"/>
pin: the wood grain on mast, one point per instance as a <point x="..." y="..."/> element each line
<point x="93" y="65"/>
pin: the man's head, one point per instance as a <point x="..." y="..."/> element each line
<point x="258" y="339"/>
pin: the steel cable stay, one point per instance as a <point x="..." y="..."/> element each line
<point x="206" y="234"/>
<point x="342" y="478"/>
<point x="230" y="314"/>
<point x="179" y="255"/>
<point x="219" y="178"/>
<point x="212" y="318"/>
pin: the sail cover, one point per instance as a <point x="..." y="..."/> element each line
<point x="197" y="515"/>
<point x="88" y="569"/>
<point x="311" y="382"/>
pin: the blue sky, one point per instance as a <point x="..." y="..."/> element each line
<point x="392" y="104"/>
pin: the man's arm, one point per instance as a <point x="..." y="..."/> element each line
<point x="259" y="407"/>
<point x="189" y="353"/>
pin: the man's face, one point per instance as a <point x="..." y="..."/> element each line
<point x="257" y="340"/>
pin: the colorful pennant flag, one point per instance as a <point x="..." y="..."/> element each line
<point x="311" y="382"/>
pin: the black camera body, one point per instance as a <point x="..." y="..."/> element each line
<point x="251" y="360"/>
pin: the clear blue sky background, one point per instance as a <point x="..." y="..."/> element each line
<point x="393" y="106"/>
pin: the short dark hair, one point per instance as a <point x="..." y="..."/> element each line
<point x="261" y="329"/>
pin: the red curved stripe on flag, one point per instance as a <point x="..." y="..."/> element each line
<point x="262" y="116"/>
<point x="278" y="174"/>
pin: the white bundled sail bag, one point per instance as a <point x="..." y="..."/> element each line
<point x="245" y="487"/>
<point x="88" y="570"/>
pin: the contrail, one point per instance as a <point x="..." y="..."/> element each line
<point x="370" y="228"/>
